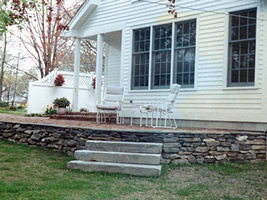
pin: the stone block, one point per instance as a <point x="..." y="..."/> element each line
<point x="202" y="149"/>
<point x="223" y="149"/>
<point x="255" y="142"/>
<point x="220" y="157"/>
<point x="180" y="161"/>
<point x="261" y="156"/>
<point x="72" y="143"/>
<point x="171" y="145"/>
<point x="258" y="147"/>
<point x="211" y="142"/>
<point x="242" y="138"/>
<point x="235" y="147"/>
<point x="36" y="137"/>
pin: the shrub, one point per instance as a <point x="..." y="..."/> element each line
<point x="4" y="104"/>
<point x="13" y="108"/>
<point x="21" y="107"/>
<point x="61" y="102"/>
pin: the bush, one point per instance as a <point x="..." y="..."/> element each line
<point x="61" y="102"/>
<point x="21" y="107"/>
<point x="13" y="108"/>
<point x="51" y="111"/>
<point x="4" y="104"/>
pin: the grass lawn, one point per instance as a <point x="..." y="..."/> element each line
<point x="36" y="173"/>
<point x="20" y="112"/>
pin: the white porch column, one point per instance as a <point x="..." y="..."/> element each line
<point x="75" y="97"/>
<point x="99" y="66"/>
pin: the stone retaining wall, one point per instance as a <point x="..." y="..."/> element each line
<point x="178" y="147"/>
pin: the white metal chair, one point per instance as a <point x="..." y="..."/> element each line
<point x="161" y="109"/>
<point x="113" y="99"/>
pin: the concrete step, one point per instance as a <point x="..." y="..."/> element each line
<point x="132" y="169"/>
<point x="129" y="147"/>
<point x="118" y="157"/>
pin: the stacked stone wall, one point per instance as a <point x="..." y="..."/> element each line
<point x="178" y="147"/>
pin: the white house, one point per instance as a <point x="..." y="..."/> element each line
<point x="217" y="51"/>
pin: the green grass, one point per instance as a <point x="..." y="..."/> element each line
<point x="20" y="112"/>
<point x="36" y="173"/>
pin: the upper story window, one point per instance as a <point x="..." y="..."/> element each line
<point x="140" y="70"/>
<point x="242" y="48"/>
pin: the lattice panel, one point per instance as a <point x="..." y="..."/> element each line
<point x="85" y="80"/>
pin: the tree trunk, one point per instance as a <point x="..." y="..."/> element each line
<point x="15" y="86"/>
<point x="2" y="67"/>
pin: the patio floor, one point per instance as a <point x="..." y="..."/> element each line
<point x="92" y="124"/>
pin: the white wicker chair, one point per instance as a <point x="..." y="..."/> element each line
<point x="161" y="109"/>
<point x="113" y="99"/>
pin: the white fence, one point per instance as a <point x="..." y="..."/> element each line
<point x="43" y="92"/>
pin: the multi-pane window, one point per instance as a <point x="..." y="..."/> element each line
<point x="242" y="48"/>
<point x="140" y="72"/>
<point x="184" y="62"/>
<point x="161" y="65"/>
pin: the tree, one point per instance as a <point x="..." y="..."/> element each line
<point x="3" y="64"/>
<point x="14" y="12"/>
<point x="41" y="34"/>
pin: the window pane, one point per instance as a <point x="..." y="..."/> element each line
<point x="252" y="47"/>
<point x="235" y="76"/>
<point x="244" y="62"/>
<point x="243" y="32"/>
<point x="244" y="48"/>
<point x="243" y="75"/>
<point x="243" y="19"/>
<point x="252" y="14"/>
<point x="251" y="75"/>
<point x="252" y="31"/>
<point x="252" y="61"/>
<point x="235" y="33"/>
<point x="235" y="21"/>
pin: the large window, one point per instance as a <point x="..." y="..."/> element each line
<point x="161" y="67"/>
<point x="242" y="48"/>
<point x="152" y="67"/>
<point x="184" y="62"/>
<point x="140" y="72"/>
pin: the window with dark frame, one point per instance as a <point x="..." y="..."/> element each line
<point x="184" y="60"/>
<point x="242" y="48"/>
<point x="161" y="64"/>
<point x="141" y="48"/>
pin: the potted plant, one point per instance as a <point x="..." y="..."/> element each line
<point x="61" y="104"/>
<point x="59" y="80"/>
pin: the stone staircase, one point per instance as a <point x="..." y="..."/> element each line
<point x="140" y="159"/>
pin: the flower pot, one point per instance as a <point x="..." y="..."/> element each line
<point x="61" y="111"/>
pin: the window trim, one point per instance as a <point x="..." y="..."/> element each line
<point x="229" y="83"/>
